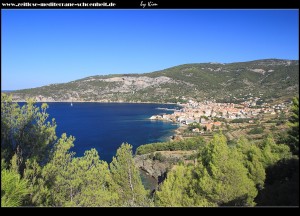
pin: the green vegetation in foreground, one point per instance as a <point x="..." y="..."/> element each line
<point x="38" y="169"/>
<point x="182" y="145"/>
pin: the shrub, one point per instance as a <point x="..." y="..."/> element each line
<point x="158" y="156"/>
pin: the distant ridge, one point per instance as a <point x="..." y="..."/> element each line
<point x="266" y="78"/>
<point x="7" y="90"/>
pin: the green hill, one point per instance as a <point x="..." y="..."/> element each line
<point x="267" y="79"/>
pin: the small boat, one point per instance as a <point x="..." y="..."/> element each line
<point x="71" y="104"/>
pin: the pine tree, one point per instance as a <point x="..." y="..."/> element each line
<point x="219" y="178"/>
<point x="13" y="188"/>
<point x="126" y="175"/>
<point x="39" y="189"/>
<point x="55" y="173"/>
<point x="294" y="127"/>
<point x="96" y="186"/>
<point x="273" y="152"/>
<point x="253" y="160"/>
<point x="70" y="181"/>
<point x="25" y="132"/>
<point x="176" y="190"/>
<point x="222" y="178"/>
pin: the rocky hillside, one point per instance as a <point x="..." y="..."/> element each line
<point x="158" y="167"/>
<point x="269" y="78"/>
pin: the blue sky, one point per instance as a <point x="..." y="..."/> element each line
<point x="41" y="47"/>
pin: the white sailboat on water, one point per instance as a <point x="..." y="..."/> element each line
<point x="71" y="103"/>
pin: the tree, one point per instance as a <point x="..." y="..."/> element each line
<point x="97" y="187"/>
<point x="40" y="194"/>
<point x="253" y="160"/>
<point x="273" y="152"/>
<point x="222" y="177"/>
<point x="70" y="181"/>
<point x="126" y="175"/>
<point x="25" y="132"/>
<point x="13" y="188"/>
<point x="44" y="172"/>
<point x="176" y="190"/>
<point x="158" y="156"/>
<point x="59" y="174"/>
<point x="294" y="127"/>
<point x="219" y="179"/>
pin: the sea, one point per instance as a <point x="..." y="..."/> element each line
<point x="105" y="126"/>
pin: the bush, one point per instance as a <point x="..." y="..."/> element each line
<point x="256" y="130"/>
<point x="184" y="145"/>
<point x="241" y="120"/>
<point x="151" y="156"/>
<point x="193" y="126"/>
<point x="158" y="156"/>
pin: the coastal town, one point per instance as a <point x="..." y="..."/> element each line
<point x="210" y="114"/>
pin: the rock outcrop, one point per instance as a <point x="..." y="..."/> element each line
<point x="154" y="168"/>
<point x="157" y="168"/>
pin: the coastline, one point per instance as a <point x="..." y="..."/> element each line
<point x="178" y="132"/>
<point x="123" y="102"/>
<point x="174" y="135"/>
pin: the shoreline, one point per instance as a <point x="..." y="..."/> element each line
<point x="175" y="133"/>
<point x="178" y="132"/>
<point x="101" y="102"/>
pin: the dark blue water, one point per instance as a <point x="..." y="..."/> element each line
<point x="105" y="126"/>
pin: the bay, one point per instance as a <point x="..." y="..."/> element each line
<point x="105" y="126"/>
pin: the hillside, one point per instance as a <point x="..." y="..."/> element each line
<point x="267" y="79"/>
